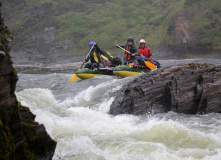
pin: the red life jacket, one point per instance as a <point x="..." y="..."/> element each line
<point x="145" y="52"/>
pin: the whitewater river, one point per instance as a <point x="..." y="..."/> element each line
<point x="75" y="114"/>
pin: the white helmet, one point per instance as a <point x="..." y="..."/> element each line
<point x="142" y="41"/>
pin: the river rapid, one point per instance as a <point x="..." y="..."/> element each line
<point x="75" y="115"/>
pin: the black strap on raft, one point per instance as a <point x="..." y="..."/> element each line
<point x="139" y="66"/>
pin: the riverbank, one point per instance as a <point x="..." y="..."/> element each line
<point x="66" y="66"/>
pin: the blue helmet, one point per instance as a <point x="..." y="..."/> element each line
<point x="91" y="43"/>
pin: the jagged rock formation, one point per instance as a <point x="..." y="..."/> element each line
<point x="190" y="89"/>
<point x="20" y="136"/>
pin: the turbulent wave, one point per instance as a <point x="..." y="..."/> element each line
<point x="84" y="130"/>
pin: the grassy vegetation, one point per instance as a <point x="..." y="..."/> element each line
<point x="110" y="22"/>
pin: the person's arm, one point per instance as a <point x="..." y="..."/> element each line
<point x="87" y="59"/>
<point x="121" y="45"/>
<point x="97" y="48"/>
<point x="136" y="50"/>
<point x="97" y="51"/>
<point x="150" y="54"/>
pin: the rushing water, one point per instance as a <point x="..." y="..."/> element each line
<point x="75" y="114"/>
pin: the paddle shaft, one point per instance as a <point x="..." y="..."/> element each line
<point x="74" y="78"/>
<point x="123" y="49"/>
<point x="87" y="55"/>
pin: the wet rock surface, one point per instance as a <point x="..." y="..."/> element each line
<point x="191" y="88"/>
<point x="20" y="136"/>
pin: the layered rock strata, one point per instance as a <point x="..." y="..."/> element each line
<point x="189" y="88"/>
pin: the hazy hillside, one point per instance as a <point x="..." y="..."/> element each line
<point x="56" y="27"/>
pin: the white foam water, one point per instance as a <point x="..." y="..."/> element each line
<point x="84" y="130"/>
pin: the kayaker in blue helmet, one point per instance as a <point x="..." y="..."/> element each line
<point x="131" y="51"/>
<point x="97" y="56"/>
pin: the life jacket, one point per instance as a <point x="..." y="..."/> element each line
<point x="128" y="55"/>
<point x="106" y="58"/>
<point x="145" y="52"/>
<point x="93" y="57"/>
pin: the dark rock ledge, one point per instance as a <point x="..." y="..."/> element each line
<point x="189" y="88"/>
<point x="20" y="136"/>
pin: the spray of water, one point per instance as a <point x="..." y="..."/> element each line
<point x="84" y="130"/>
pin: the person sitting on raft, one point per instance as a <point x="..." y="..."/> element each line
<point x="144" y="50"/>
<point x="145" y="54"/>
<point x="131" y="47"/>
<point x="106" y="58"/>
<point x="96" y="56"/>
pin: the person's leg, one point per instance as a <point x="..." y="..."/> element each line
<point x="101" y="65"/>
<point x="124" y="61"/>
<point x="134" y="61"/>
<point x="87" y="66"/>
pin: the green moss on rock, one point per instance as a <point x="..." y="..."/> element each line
<point x="21" y="138"/>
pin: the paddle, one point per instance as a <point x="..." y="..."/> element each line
<point x="124" y="50"/>
<point x="150" y="65"/>
<point x="74" y="78"/>
<point x="147" y="63"/>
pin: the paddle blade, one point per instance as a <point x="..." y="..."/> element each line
<point x="150" y="65"/>
<point x="74" y="78"/>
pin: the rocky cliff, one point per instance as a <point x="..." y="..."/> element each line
<point x="20" y="136"/>
<point x="190" y="89"/>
